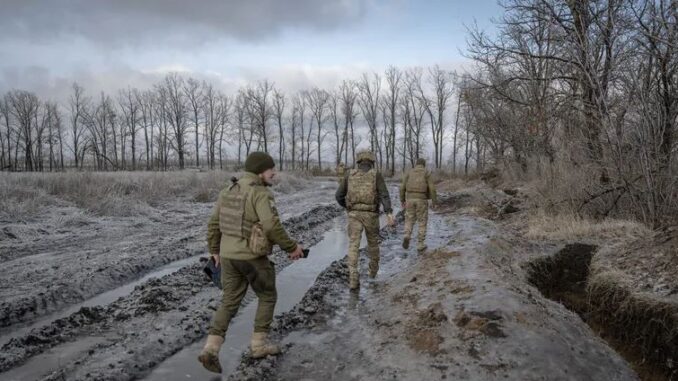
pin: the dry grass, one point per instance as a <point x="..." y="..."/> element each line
<point x="25" y="196"/>
<point x="566" y="226"/>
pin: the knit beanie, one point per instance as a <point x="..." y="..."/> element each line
<point x="258" y="162"/>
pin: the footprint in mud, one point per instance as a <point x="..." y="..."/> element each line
<point x="422" y="332"/>
<point x="459" y="287"/>
<point x="474" y="323"/>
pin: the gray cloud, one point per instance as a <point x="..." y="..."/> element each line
<point x="132" y="22"/>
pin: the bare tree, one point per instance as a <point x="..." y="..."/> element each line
<point x="195" y="97"/>
<point x="278" y="111"/>
<point x="243" y="124"/>
<point x="176" y="112"/>
<point x="146" y="100"/>
<point x="390" y="103"/>
<point x="24" y="107"/>
<point x="349" y="97"/>
<point x="79" y="104"/>
<point x="368" y="99"/>
<point x="318" y="101"/>
<point x="5" y="113"/>
<point x="217" y="113"/>
<point x="131" y="113"/>
<point x="259" y="110"/>
<point x="339" y="138"/>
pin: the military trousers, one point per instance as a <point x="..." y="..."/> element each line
<point x="236" y="276"/>
<point x="416" y="211"/>
<point x="359" y="221"/>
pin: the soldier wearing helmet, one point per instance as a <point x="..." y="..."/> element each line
<point x="361" y="191"/>
<point x="416" y="189"/>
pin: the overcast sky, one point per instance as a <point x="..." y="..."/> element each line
<point x="107" y="45"/>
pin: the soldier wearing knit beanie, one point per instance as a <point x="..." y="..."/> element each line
<point x="258" y="162"/>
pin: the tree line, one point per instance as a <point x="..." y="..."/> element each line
<point x="181" y="122"/>
<point x="587" y="85"/>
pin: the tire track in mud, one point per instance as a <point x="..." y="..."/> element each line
<point x="39" y="288"/>
<point x="159" y="318"/>
<point x="50" y="276"/>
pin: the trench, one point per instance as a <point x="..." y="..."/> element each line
<point x="564" y="277"/>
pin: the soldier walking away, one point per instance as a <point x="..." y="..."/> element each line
<point x="415" y="191"/>
<point x="341" y="171"/>
<point x="360" y="192"/>
<point x="240" y="233"/>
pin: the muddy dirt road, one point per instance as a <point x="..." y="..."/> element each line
<point x="463" y="310"/>
<point x="115" y="300"/>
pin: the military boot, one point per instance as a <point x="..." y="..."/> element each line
<point x="353" y="280"/>
<point x="406" y="243"/>
<point x="373" y="269"/>
<point x="209" y="357"/>
<point x="422" y="248"/>
<point x="261" y="347"/>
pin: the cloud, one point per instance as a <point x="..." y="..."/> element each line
<point x="135" y="22"/>
<point x="50" y="86"/>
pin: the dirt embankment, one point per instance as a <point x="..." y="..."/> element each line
<point x="462" y="310"/>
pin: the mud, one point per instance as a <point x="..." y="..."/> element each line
<point x="462" y="310"/>
<point x="158" y="318"/>
<point x="52" y="264"/>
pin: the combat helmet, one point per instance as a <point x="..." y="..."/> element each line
<point x="365" y="155"/>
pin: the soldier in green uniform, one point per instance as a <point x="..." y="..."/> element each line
<point x="240" y="234"/>
<point x="415" y="191"/>
<point x="360" y="192"/>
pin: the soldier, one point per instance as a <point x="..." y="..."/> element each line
<point x="341" y="171"/>
<point x="360" y="192"/>
<point x="240" y="234"/>
<point x="415" y="191"/>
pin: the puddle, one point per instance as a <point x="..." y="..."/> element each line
<point x="99" y="300"/>
<point x="292" y="284"/>
<point x="52" y="360"/>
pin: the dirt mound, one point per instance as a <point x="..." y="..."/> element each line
<point x="481" y="200"/>
<point x="633" y="292"/>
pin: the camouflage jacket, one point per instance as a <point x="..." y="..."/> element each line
<point x="430" y="191"/>
<point x="382" y="191"/>
<point x="259" y="207"/>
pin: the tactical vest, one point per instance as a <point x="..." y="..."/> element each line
<point x="232" y="220"/>
<point x="416" y="180"/>
<point x="362" y="190"/>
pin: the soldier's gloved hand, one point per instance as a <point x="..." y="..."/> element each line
<point x="297" y="253"/>
<point x="390" y="219"/>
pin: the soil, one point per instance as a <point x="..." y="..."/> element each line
<point x="476" y="305"/>
<point x="137" y="331"/>
<point x="461" y="310"/>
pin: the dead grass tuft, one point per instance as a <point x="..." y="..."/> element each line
<point x="566" y="226"/>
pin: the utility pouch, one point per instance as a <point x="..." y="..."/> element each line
<point x="258" y="242"/>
